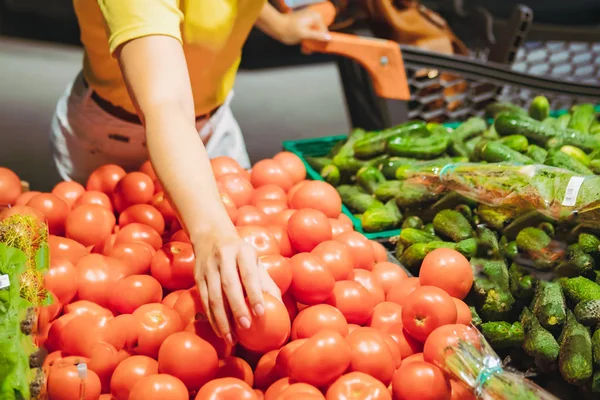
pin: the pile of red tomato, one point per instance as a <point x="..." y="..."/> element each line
<point x="351" y="325"/>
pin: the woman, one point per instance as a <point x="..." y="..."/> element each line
<point x="157" y="81"/>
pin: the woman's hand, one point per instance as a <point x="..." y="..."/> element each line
<point x="294" y="27"/>
<point x="225" y="266"/>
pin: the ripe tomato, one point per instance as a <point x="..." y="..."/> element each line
<point x="25" y="197"/>
<point x="148" y="169"/>
<point x="173" y="266"/>
<point x="250" y="215"/>
<point x="180" y="236"/>
<point x="290" y="304"/>
<point x="143" y="214"/>
<point x="307" y="228"/>
<point x="81" y="334"/>
<point x="63" y="248"/>
<point x="237" y="188"/>
<point x="357" y="385"/>
<point x="335" y="257"/>
<point x="265" y="372"/>
<point x="68" y="191"/>
<point x="353" y="300"/>
<point x="122" y="332"/>
<point x="94" y="197"/>
<point x="137" y="256"/>
<point x="449" y="270"/>
<point x="337" y="227"/>
<point x="162" y="204"/>
<point x="460" y="391"/>
<point x="134" y="291"/>
<point x="385" y="315"/>
<point x="440" y="342"/>
<point x="64" y="383"/>
<point x="235" y="367"/>
<point x="96" y="277"/>
<point x="84" y="307"/>
<point x="271" y="207"/>
<point x="361" y="249"/>
<point x="426" y="309"/>
<point x="260" y="238"/>
<point x="226" y="389"/>
<point x="157" y="322"/>
<point x="398" y="293"/>
<point x="352" y="327"/>
<point x="268" y="332"/>
<point x="89" y="224"/>
<point x="61" y="279"/>
<point x="379" y="252"/>
<point x="279" y="270"/>
<point x="189" y="306"/>
<point x="368" y="280"/>
<point x="276" y="388"/>
<point x="55" y="331"/>
<point x="269" y="171"/>
<point x="48" y="313"/>
<point x="311" y="282"/>
<point x="134" y="188"/>
<point x="54" y="209"/>
<point x="282" y="362"/>
<point x="170" y="299"/>
<point x="413" y="358"/>
<point x="319" y="195"/>
<point x="10" y="186"/>
<point x="282" y="218"/>
<point x="189" y="358"/>
<point x="104" y="359"/>
<point x="463" y="313"/>
<point x="314" y="319"/>
<point x="301" y="390"/>
<point x="202" y="328"/>
<point x="420" y="380"/>
<point x="388" y="275"/>
<point x="268" y="192"/>
<point x="280" y="233"/>
<point x="292" y="164"/>
<point x="224" y="165"/>
<point x="159" y="387"/>
<point x="106" y="246"/>
<point x="321" y="359"/>
<point x="105" y="178"/>
<point x="136" y="232"/>
<point x="371" y="354"/>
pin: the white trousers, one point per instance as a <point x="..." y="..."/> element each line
<point x="84" y="136"/>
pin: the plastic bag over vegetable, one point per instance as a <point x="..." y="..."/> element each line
<point x="560" y="194"/>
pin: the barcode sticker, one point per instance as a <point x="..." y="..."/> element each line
<point x="572" y="191"/>
<point x="4" y="281"/>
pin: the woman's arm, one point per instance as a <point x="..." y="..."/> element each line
<point x="293" y="27"/>
<point x="155" y="71"/>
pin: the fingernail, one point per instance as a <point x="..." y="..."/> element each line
<point x="259" y="310"/>
<point x="229" y="339"/>
<point x="244" y="322"/>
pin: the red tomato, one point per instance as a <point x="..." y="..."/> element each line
<point x="336" y="257"/>
<point x="136" y="232"/>
<point x="96" y="278"/>
<point x="226" y="389"/>
<point x="68" y="191"/>
<point x="345" y="219"/>
<point x="173" y="266"/>
<point x="103" y="361"/>
<point x="250" y="215"/>
<point x="440" y="342"/>
<point x="189" y="358"/>
<point x="379" y="252"/>
<point x="320" y="195"/>
<point x="238" y="189"/>
<point x="321" y="359"/>
<point x="54" y="209"/>
<point x="61" y="279"/>
<point x="388" y="275"/>
<point x="279" y="270"/>
<point x="277" y="388"/>
<point x="361" y="249"/>
<point x="385" y="315"/>
<point x="94" y="197"/>
<point x="292" y="164"/>
<point x="280" y="233"/>
<point x="460" y="391"/>
<point x="307" y="228"/>
<point x="413" y="358"/>
<point x="133" y="188"/>
<point x="394" y="348"/>
<point x="357" y="385"/>
<point x="143" y="214"/>
<point x="337" y="227"/>
<point x="89" y="224"/>
<point x="268" y="192"/>
<point x="202" y="328"/>
<point x="55" y="332"/>
<point x="426" y="309"/>
<point x="268" y="332"/>
<point x="159" y="387"/>
<point x="134" y="291"/>
<point x="282" y="218"/>
<point x="106" y="246"/>
<point x="463" y="313"/>
<point x="290" y="305"/>
<point x="180" y="236"/>
<point x="64" y="383"/>
<point x="170" y="299"/>
<point x="352" y="327"/>
<point x="189" y="306"/>
<point x="301" y="390"/>
<point x="269" y="171"/>
<point x="48" y="313"/>
<point x="235" y="367"/>
<point x="25" y="197"/>
<point x="157" y="322"/>
<point x="10" y="187"/>
<point x="353" y="300"/>
<point x="312" y="283"/>
<point x="105" y="178"/>
<point x="368" y="280"/>
<point x="402" y="290"/>
<point x="314" y="319"/>
<point x="137" y="256"/>
<point x="84" y="307"/>
<point x="224" y="165"/>
<point x="271" y="207"/>
<point x="371" y="354"/>
<point x="420" y="380"/>
<point x="449" y="270"/>
<point x="81" y="334"/>
<point x="162" y="204"/>
<point x="148" y="169"/>
<point x="282" y="362"/>
<point x="265" y="372"/>
<point x="63" y="248"/>
<point x="260" y="238"/>
<point x="122" y="332"/>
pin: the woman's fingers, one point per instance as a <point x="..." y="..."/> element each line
<point x="246" y="260"/>
<point x="216" y="302"/>
<point x="268" y="285"/>
<point x="232" y="286"/>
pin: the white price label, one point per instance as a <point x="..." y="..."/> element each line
<point x="4" y="281"/>
<point x="572" y="191"/>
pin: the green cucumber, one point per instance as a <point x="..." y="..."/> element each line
<point x="494" y="151"/>
<point x="472" y="127"/>
<point x="331" y="174"/>
<point x="516" y="142"/>
<point x="588" y="312"/>
<point x="503" y="335"/>
<point x="356" y="199"/>
<point x="549" y="305"/>
<point x="582" y="116"/>
<point x="539" y="108"/>
<point x="494" y="109"/>
<point x="452" y="225"/>
<point x="423" y="148"/>
<point x="369" y="178"/>
<point x="575" y="361"/>
<point x="536" y="153"/>
<point x="376" y="142"/>
<point x="380" y="219"/>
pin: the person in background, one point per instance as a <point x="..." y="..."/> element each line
<point x="157" y="82"/>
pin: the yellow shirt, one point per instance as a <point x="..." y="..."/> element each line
<point x="212" y="33"/>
